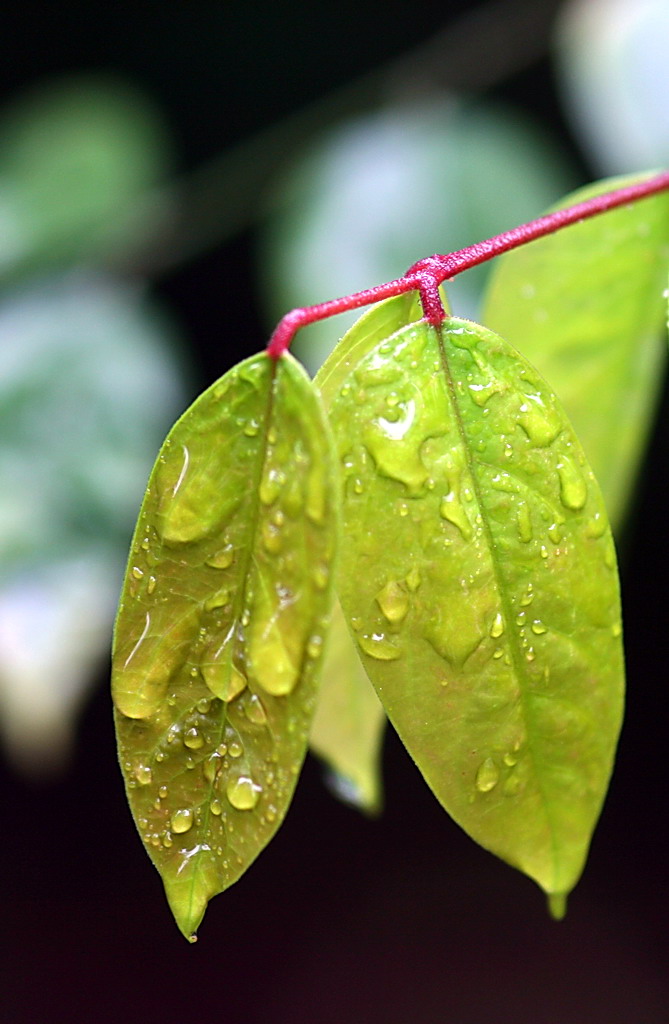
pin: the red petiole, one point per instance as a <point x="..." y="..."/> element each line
<point x="426" y="275"/>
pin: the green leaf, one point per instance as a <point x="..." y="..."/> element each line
<point x="585" y="307"/>
<point x="221" y="626"/>
<point x="479" y="576"/>
<point x="348" y="725"/>
<point x="76" y="158"/>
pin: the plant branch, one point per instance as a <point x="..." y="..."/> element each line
<point x="426" y="275"/>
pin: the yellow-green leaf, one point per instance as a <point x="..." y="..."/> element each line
<point x="347" y="729"/>
<point x="479" y="576"/>
<point x="221" y="626"/>
<point x="585" y="306"/>
<point x="349" y="722"/>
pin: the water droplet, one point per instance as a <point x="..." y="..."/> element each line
<point x="487" y="776"/>
<point x="251" y="428"/>
<point x="222" y="749"/>
<point x="271" y="538"/>
<point x="151" y="585"/>
<point x="451" y="509"/>
<point x="596" y="527"/>
<point x="544" y="551"/>
<point x="222" y="559"/>
<point x="162" y="792"/>
<point x="393" y="602"/>
<point x="145" y="545"/>
<point x="497" y="627"/>
<point x="217" y="600"/>
<point x="480" y="393"/>
<point x="520" y="618"/>
<point x="223" y="678"/>
<point x="376" y="645"/>
<point x="510" y="759"/>
<point x="271" y="484"/>
<point x="235" y="749"/>
<point x="181" y="821"/>
<point x="167" y="840"/>
<point x="315" y="647"/>
<point x="573" y="487"/>
<point x="356" y="623"/>
<point x="524" y="521"/>
<point x="555" y="533"/>
<point x="204" y="705"/>
<point x="243" y="793"/>
<point x="538" y="627"/>
<point x="321" y="575"/>
<point x="210" y="769"/>
<point x="216" y="807"/>
<point x="143" y="774"/>
<point x="137" y="572"/>
<point x="512" y="785"/>
<point x="413" y="580"/>
<point x="316" y="502"/>
<point x="255" y="712"/>
<point x="270" y="662"/>
<point x="530" y="655"/>
<point x="540" y="423"/>
<point x="527" y="597"/>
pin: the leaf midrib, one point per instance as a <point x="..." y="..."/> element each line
<point x="240" y="601"/>
<point x="516" y="654"/>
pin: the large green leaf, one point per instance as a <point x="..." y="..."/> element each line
<point x="479" y="576"/>
<point x="585" y="307"/>
<point x="221" y="626"/>
<point x="348" y="724"/>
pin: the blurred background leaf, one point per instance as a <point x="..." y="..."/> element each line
<point x="614" y="77"/>
<point x="88" y="384"/>
<point x="77" y="157"/>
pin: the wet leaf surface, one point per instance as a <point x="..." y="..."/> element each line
<point x="221" y="626"/>
<point x="479" y="577"/>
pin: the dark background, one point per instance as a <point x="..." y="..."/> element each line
<point x="401" y="919"/>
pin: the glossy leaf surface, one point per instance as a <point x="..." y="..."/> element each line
<point x="348" y="725"/>
<point x="479" y="576"/>
<point x="221" y="626"/>
<point x="585" y="307"/>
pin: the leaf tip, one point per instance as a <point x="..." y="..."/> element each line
<point x="557" y="905"/>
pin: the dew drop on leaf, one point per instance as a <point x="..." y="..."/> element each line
<point x="181" y="821"/>
<point x="243" y="793"/>
<point x="487" y="776"/>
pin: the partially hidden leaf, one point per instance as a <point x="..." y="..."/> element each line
<point x="348" y="725"/>
<point x="479" y="576"/>
<point x="221" y="626"/>
<point x="585" y="306"/>
<point x="349" y="722"/>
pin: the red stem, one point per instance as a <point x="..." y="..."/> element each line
<point x="426" y="275"/>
